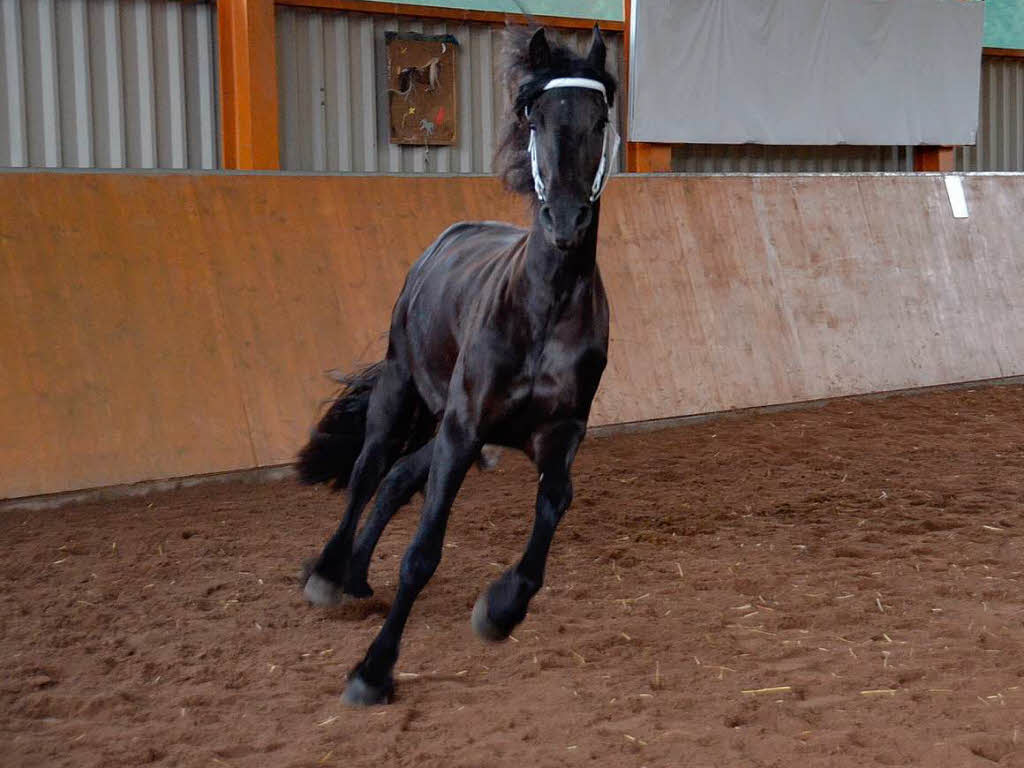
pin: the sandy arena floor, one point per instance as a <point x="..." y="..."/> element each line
<point x="839" y="586"/>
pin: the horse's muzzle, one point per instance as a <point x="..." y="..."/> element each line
<point x="565" y="223"/>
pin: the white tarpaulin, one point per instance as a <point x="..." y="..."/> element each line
<point x="805" y="71"/>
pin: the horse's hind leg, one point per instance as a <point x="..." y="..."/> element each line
<point x="505" y="602"/>
<point x="388" y="414"/>
<point x="407" y="476"/>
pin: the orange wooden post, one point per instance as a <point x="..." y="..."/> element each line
<point x="627" y="32"/>
<point x="248" y="84"/>
<point x="644" y="157"/>
<point x="641" y="157"/>
<point x="928" y="158"/>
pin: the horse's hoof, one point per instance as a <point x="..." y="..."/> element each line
<point x="320" y="591"/>
<point x="489" y="457"/>
<point x="359" y="693"/>
<point x="308" y="565"/>
<point x="357" y="589"/>
<point x="483" y="626"/>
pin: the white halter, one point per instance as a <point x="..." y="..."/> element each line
<point x="611" y="137"/>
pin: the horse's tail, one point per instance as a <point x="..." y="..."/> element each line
<point x="336" y="441"/>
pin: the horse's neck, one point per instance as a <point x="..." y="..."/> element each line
<point x="552" y="273"/>
<point x="555" y="282"/>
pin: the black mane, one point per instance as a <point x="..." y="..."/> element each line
<point x="523" y="84"/>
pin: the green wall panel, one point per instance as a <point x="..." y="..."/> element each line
<point x="1004" y="23"/>
<point x="605" y="10"/>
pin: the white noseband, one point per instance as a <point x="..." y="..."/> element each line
<point x="611" y="137"/>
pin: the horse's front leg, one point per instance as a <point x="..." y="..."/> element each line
<point x="455" y="449"/>
<point x="505" y="602"/>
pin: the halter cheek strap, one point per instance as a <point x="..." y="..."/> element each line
<point x="609" y="143"/>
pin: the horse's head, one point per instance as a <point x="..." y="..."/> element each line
<point x="560" y="146"/>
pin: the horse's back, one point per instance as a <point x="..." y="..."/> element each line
<point x="459" y="263"/>
<point x="469" y="240"/>
<point x="464" y="268"/>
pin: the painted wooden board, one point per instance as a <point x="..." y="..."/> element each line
<point x="164" y="325"/>
<point x="422" y="85"/>
<point x="737" y="292"/>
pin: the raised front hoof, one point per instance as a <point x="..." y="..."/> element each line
<point x="484" y="627"/>
<point x="359" y="693"/>
<point x="320" y="591"/>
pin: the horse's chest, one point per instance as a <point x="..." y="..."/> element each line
<point x="559" y="382"/>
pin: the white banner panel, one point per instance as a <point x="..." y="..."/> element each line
<point x="805" y="71"/>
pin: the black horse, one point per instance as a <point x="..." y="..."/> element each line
<point x="499" y="336"/>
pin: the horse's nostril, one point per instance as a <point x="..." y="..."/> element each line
<point x="545" y="217"/>
<point x="583" y="217"/>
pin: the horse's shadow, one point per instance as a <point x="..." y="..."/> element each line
<point x="353" y="609"/>
<point x="347" y="608"/>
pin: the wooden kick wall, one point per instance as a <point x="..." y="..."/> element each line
<point x="167" y="325"/>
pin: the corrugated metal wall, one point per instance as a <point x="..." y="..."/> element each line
<point x="1000" y="144"/>
<point x="108" y="83"/>
<point x="759" y="158"/>
<point x="132" y="83"/>
<point x="333" y="102"/>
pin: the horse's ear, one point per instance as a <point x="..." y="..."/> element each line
<point x="540" y="53"/>
<point x="596" y="56"/>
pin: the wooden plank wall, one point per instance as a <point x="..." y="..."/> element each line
<point x="167" y="325"/>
